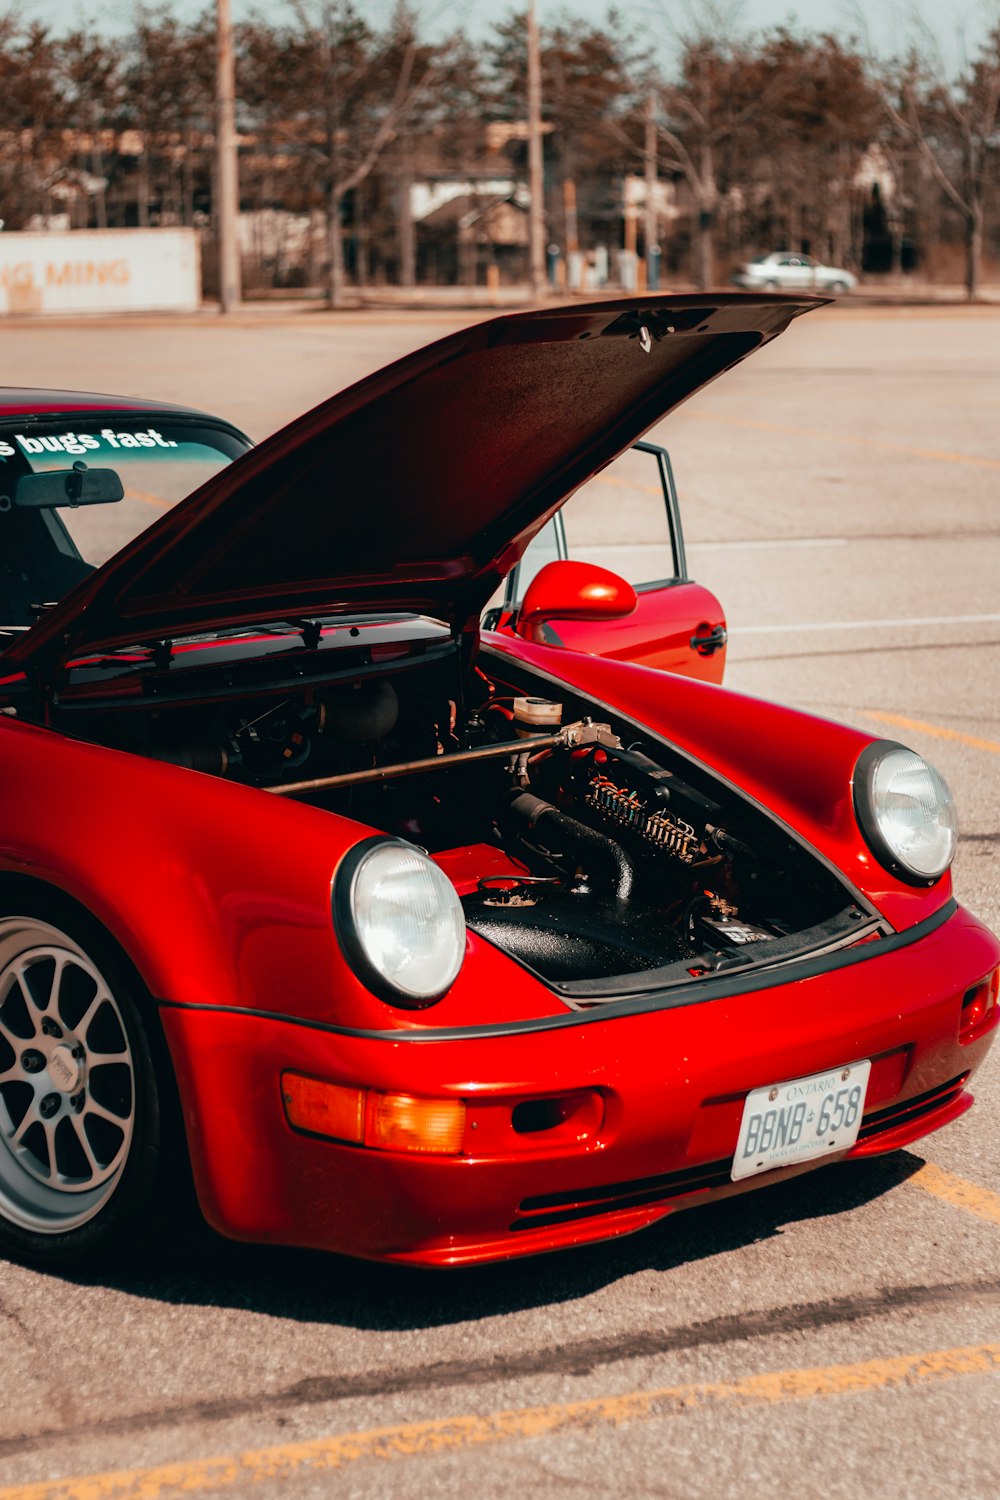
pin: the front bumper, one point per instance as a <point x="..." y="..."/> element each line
<point x="673" y="1084"/>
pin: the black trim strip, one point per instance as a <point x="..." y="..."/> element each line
<point x="709" y="989"/>
<point x="811" y="942"/>
<point x="183" y="415"/>
<point x="304" y="668"/>
<point x="906" y="1110"/>
<point x="609" y="1196"/>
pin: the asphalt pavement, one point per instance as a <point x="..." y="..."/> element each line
<point x="838" y="1335"/>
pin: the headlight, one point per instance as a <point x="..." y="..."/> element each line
<point x="400" y="921"/>
<point x="906" y="812"/>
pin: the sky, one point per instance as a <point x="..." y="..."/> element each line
<point x="954" y="26"/>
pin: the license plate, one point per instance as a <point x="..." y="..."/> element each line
<point x="785" y="1123"/>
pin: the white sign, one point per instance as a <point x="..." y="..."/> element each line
<point x="100" y="271"/>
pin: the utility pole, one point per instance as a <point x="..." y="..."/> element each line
<point x="650" y="229"/>
<point x="536" y="175"/>
<point x="407" y="237"/>
<point x="227" y="187"/>
<point x="570" y="216"/>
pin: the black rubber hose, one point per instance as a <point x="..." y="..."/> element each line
<point x="603" y="859"/>
<point x="210" y="758"/>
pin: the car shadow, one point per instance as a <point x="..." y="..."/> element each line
<point x="202" y="1269"/>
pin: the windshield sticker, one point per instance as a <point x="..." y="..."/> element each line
<point x="86" y="442"/>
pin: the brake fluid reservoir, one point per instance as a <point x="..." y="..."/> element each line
<point x="536" y="715"/>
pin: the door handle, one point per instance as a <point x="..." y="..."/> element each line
<point x="713" y="641"/>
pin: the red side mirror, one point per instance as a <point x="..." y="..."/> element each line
<point x="572" y="591"/>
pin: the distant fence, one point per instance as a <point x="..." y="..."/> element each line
<point x="100" y="271"/>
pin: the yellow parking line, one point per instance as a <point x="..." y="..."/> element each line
<point x="157" y="500"/>
<point x="626" y="484"/>
<point x="958" y="1192"/>
<point x="451" y="1435"/>
<point x="938" y="455"/>
<point x="938" y="731"/>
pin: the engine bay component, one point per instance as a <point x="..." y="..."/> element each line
<point x="513" y="890"/>
<point x="534" y="714"/>
<point x="570" y="737"/>
<point x="714" y="922"/>
<point x="285" y="735"/>
<point x="364" y="713"/>
<point x="212" y="759"/>
<point x="566" y="934"/>
<point x="661" y="828"/>
<point x="587" y="852"/>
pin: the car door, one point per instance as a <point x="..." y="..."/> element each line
<point x="789" y="272"/>
<point x="795" y="271"/>
<point x="627" y="519"/>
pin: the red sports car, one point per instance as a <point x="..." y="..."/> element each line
<point x="417" y="940"/>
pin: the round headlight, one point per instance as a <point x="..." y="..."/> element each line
<point x="906" y="812"/>
<point x="400" y="921"/>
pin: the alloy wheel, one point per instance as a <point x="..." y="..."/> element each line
<point x="67" y="1081"/>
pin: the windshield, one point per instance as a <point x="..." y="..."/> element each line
<point x="159" y="459"/>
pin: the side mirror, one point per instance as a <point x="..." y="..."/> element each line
<point x="572" y="591"/>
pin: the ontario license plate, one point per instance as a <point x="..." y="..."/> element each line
<point x="785" y="1123"/>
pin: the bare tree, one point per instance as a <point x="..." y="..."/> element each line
<point x="91" y="70"/>
<point x="952" y="126"/>
<point x="32" y="115"/>
<point x="167" y="92"/>
<point x="800" y="160"/>
<point x="589" y="78"/>
<point x="358" y="87"/>
<point x="708" y="107"/>
<point x="946" y="116"/>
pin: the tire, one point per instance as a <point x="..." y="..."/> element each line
<point x="770" y="286"/>
<point x="837" y="286"/>
<point x="81" y="1118"/>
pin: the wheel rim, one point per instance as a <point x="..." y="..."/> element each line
<point x="67" y="1081"/>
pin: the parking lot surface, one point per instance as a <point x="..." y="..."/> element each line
<point x="838" y="1335"/>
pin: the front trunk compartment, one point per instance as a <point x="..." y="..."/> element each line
<point x="590" y="851"/>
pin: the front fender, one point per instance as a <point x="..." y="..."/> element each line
<point x="192" y="877"/>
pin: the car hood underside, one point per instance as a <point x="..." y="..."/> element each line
<point x="418" y="488"/>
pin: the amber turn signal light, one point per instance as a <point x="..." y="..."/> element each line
<point x="397" y="1122"/>
<point x="385" y="1122"/>
<point x="324" y="1108"/>
<point x="979" y="1008"/>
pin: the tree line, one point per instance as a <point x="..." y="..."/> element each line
<point x="778" y="140"/>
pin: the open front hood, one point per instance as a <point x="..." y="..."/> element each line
<point x="419" y="487"/>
